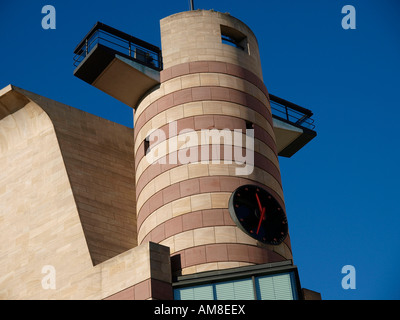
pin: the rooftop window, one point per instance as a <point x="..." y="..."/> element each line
<point x="233" y="37"/>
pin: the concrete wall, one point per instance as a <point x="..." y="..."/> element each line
<point x="67" y="201"/>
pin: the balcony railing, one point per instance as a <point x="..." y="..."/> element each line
<point x="123" y="43"/>
<point x="291" y="112"/>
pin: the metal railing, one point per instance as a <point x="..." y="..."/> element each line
<point x="232" y="42"/>
<point x="124" y="44"/>
<point x="291" y="112"/>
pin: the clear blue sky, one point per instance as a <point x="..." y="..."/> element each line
<point x="341" y="190"/>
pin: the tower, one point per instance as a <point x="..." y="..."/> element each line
<point x="210" y="89"/>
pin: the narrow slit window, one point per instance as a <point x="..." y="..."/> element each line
<point x="234" y="38"/>
<point x="146" y="144"/>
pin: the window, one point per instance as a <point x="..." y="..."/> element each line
<point x="204" y="292"/>
<point x="265" y="287"/>
<point x="146" y="144"/>
<point x="235" y="290"/>
<point x="234" y="38"/>
<point x="277" y="287"/>
<point x="231" y="290"/>
<point x="249" y="125"/>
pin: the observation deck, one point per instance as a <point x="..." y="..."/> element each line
<point x="127" y="68"/>
<point x="118" y="64"/>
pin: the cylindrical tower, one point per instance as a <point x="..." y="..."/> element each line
<point x="211" y="84"/>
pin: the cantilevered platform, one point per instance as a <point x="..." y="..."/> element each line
<point x="118" y="64"/>
<point x="127" y="68"/>
<point x="293" y="126"/>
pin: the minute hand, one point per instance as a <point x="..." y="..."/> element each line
<point x="262" y="210"/>
<point x="259" y="202"/>
<point x="261" y="219"/>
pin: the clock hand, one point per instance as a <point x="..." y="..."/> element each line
<point x="262" y="210"/>
<point x="261" y="219"/>
<point x="259" y="202"/>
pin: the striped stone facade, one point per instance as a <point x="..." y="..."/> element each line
<point x="205" y="85"/>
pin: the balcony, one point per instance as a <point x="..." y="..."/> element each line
<point x="112" y="61"/>
<point x="127" y="68"/>
<point x="293" y="126"/>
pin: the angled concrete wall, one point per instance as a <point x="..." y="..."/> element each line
<point x="67" y="200"/>
<point x="98" y="159"/>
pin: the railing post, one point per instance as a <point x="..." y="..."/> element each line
<point x="129" y="48"/>
<point x="87" y="49"/>
<point x="160" y="63"/>
<point x="287" y="113"/>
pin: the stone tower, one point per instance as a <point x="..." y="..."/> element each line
<point x="211" y="79"/>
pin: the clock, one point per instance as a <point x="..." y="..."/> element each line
<point x="258" y="214"/>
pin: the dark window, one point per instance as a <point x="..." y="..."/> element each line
<point x="249" y="125"/>
<point x="146" y="144"/>
<point x="234" y="38"/>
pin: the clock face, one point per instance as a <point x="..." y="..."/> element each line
<point x="258" y="214"/>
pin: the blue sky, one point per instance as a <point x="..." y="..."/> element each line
<point x="342" y="189"/>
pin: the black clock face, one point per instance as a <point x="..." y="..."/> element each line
<point x="258" y="214"/>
